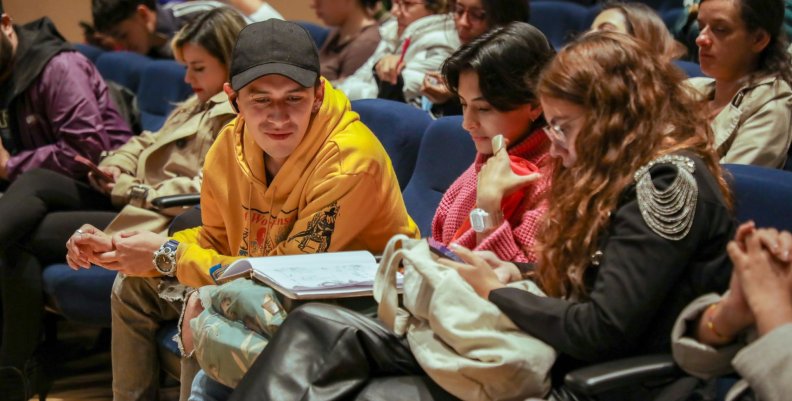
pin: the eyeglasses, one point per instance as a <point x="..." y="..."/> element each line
<point x="556" y="131"/>
<point x="474" y="14"/>
<point x="404" y="4"/>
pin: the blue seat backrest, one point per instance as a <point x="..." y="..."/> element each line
<point x="89" y="51"/>
<point x="788" y="163"/>
<point x="591" y="14"/>
<point x="762" y="194"/>
<point x="125" y="68"/>
<point x="318" y="32"/>
<point x="161" y="88"/>
<point x="671" y="16"/>
<point x="690" y="68"/>
<point x="399" y="127"/>
<point x="560" y="21"/>
<point x="662" y="5"/>
<point x="446" y="152"/>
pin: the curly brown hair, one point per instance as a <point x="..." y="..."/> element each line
<point x="637" y="109"/>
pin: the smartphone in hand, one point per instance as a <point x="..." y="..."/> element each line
<point x="442" y="251"/>
<point x="100" y="175"/>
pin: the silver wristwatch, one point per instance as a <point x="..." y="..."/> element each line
<point x="165" y="258"/>
<point x="480" y="220"/>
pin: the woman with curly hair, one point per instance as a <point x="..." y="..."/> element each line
<point x="640" y="213"/>
<point x="641" y="22"/>
<point x="639" y="217"/>
<point x="743" y="48"/>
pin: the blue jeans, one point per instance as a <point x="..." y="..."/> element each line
<point x="206" y="389"/>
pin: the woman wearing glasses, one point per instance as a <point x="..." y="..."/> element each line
<point x="418" y="40"/>
<point x="352" y="40"/>
<point x="493" y="77"/>
<point x="471" y="19"/>
<point x="638" y="220"/>
<point x="639" y="213"/>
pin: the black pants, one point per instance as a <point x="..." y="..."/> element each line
<point x="38" y="213"/>
<point x="325" y="352"/>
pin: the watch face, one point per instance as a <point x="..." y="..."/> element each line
<point x="164" y="263"/>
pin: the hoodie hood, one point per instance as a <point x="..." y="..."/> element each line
<point x="39" y="42"/>
<point x="321" y="200"/>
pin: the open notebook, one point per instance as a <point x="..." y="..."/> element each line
<point x="311" y="276"/>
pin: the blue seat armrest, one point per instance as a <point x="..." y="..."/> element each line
<point x="621" y="373"/>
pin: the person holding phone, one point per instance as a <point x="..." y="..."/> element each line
<point x="496" y="204"/>
<point x="617" y="259"/>
<point x="42" y="209"/>
<point x="503" y="116"/>
<point x="472" y="18"/>
<point x="505" y="121"/>
<point x="418" y="40"/>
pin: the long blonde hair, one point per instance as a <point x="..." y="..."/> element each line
<point x="216" y="31"/>
<point x="637" y="109"/>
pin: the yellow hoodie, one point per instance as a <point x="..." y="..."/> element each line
<point x="337" y="191"/>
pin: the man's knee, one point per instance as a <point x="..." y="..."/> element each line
<point x="132" y="291"/>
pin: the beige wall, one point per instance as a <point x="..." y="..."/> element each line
<point x="295" y="10"/>
<point x="67" y="13"/>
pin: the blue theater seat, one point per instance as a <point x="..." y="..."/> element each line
<point x="399" y="127"/>
<point x="124" y="68"/>
<point x="560" y="21"/>
<point x="690" y="68"/>
<point x="671" y="16"/>
<point x="762" y="194"/>
<point x="446" y="151"/>
<point x="162" y="86"/>
<point x="318" y="32"/>
<point x="89" y="51"/>
<point x="662" y="5"/>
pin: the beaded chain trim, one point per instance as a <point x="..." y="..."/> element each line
<point x="668" y="212"/>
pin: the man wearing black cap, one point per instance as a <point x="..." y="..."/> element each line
<point x="295" y="172"/>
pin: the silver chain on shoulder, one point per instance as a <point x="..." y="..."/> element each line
<point x="668" y="212"/>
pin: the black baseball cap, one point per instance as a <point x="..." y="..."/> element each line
<point x="274" y="47"/>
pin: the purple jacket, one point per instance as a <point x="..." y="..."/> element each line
<point x="65" y="112"/>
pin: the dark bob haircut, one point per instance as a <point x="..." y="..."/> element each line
<point x="507" y="59"/>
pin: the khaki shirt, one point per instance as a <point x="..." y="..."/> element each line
<point x="756" y="127"/>
<point x="167" y="162"/>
